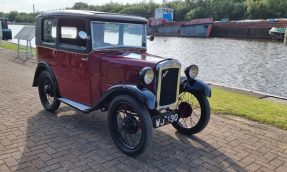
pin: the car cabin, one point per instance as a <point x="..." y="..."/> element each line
<point x="60" y="28"/>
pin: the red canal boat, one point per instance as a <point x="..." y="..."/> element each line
<point x="258" y="29"/>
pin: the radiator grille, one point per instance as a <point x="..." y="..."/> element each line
<point x="169" y="79"/>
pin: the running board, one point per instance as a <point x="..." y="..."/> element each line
<point x="76" y="105"/>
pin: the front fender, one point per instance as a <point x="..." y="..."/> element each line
<point x="195" y="85"/>
<point x="142" y="93"/>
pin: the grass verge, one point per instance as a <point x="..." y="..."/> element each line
<point x="248" y="107"/>
<point x="14" y="47"/>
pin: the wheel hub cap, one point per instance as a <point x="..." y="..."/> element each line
<point x="185" y="109"/>
<point x="49" y="90"/>
<point x="130" y="125"/>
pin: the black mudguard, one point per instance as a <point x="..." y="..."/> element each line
<point x="194" y="85"/>
<point x="44" y="66"/>
<point x="140" y="92"/>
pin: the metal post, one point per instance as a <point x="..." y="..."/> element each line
<point x="27" y="50"/>
<point x="18" y="47"/>
<point x="31" y="49"/>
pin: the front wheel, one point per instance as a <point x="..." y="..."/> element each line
<point x="130" y="125"/>
<point x="194" y="113"/>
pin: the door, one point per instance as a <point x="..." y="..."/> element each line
<point x="73" y="64"/>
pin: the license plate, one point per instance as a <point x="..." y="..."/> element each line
<point x="158" y="121"/>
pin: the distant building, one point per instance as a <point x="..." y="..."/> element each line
<point x="166" y="13"/>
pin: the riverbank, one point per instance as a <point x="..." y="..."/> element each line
<point x="248" y="104"/>
<point x="31" y="24"/>
<point x="254" y="106"/>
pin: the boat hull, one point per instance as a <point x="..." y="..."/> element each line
<point x="257" y="30"/>
<point x="277" y="33"/>
<point x="196" y="30"/>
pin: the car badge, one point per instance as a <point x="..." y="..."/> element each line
<point x="164" y="74"/>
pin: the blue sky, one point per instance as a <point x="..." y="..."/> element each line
<point x="45" y="5"/>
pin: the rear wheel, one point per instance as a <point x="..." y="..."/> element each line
<point x="47" y="92"/>
<point x="130" y="125"/>
<point x="194" y="113"/>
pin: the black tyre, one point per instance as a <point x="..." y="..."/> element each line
<point x="47" y="92"/>
<point x="195" y="113"/>
<point x="130" y="125"/>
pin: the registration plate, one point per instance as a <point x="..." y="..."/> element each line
<point x="159" y="121"/>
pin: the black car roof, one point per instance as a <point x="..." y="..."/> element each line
<point x="95" y="15"/>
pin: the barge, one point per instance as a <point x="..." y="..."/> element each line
<point x="162" y="25"/>
<point x="257" y="29"/>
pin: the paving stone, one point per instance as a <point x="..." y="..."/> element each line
<point x="96" y="166"/>
<point x="10" y="162"/>
<point x="276" y="162"/>
<point x="253" y="167"/>
<point x="39" y="163"/>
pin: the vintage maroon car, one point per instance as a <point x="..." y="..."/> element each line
<point x="93" y="60"/>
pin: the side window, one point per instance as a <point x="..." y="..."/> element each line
<point x="70" y="29"/>
<point x="69" y="32"/>
<point x="49" y="31"/>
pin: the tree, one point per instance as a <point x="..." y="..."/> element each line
<point x="11" y="16"/>
<point x="80" y="6"/>
<point x="30" y="19"/>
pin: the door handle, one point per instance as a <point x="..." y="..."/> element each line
<point x="85" y="59"/>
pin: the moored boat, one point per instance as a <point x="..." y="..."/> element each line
<point x="277" y="33"/>
<point x="163" y="25"/>
<point x="258" y="29"/>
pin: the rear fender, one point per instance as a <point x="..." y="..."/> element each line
<point x="41" y="67"/>
<point x="195" y="85"/>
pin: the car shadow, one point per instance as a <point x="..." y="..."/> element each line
<point x="70" y="140"/>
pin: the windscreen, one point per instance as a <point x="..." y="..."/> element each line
<point x="116" y="35"/>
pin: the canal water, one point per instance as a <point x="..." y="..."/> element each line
<point x="258" y="65"/>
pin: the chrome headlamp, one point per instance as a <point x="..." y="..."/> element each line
<point x="191" y="71"/>
<point x="146" y="75"/>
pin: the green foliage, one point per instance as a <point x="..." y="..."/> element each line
<point x="194" y="9"/>
<point x="183" y="9"/>
<point x="11" y="16"/>
<point x="20" y="17"/>
<point x="13" y="47"/>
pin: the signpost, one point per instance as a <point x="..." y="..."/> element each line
<point x="26" y="33"/>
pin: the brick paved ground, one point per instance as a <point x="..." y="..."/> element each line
<point x="32" y="139"/>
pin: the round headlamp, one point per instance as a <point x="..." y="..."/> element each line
<point x="191" y="71"/>
<point x="146" y="75"/>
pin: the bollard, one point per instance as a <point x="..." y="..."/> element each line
<point x="285" y="37"/>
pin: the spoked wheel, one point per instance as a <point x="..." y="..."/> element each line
<point x="130" y="125"/>
<point x="195" y="113"/>
<point x="47" y="92"/>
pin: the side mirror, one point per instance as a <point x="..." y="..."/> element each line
<point x="83" y="35"/>
<point x="151" y="38"/>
